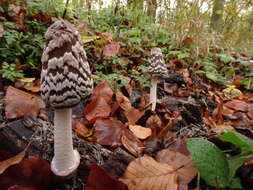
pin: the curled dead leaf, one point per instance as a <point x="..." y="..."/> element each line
<point x="140" y="132"/>
<point x="12" y="161"/>
<point x="134" y="146"/>
<point x="133" y="115"/>
<point x="123" y="101"/>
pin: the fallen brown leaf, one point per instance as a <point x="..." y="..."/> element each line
<point x="98" y="108"/>
<point x="250" y="115"/>
<point x="133" y="115"/>
<point x="80" y="128"/>
<point x="104" y="90"/>
<point x="140" y="132"/>
<point x="31" y="174"/>
<point x="146" y="173"/>
<point x="134" y="146"/>
<point x="237" y="105"/>
<point x="182" y="164"/>
<point x="12" y="161"/>
<point x="106" y="181"/>
<point x="109" y="131"/>
<point x="111" y="49"/>
<point x="19" y="103"/>
<point x="123" y="101"/>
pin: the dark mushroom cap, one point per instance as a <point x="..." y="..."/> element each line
<point x="65" y="77"/>
<point x="157" y="65"/>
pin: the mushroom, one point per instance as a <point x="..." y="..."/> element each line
<point x="157" y="68"/>
<point x="65" y="81"/>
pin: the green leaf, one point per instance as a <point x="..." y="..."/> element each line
<point x="210" y="161"/>
<point x="235" y="183"/>
<point x="226" y="59"/>
<point x="238" y="139"/>
<point x="237" y="161"/>
<point x="215" y="77"/>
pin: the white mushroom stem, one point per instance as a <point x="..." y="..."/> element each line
<point x="153" y="92"/>
<point x="66" y="160"/>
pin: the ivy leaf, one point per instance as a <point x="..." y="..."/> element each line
<point x="210" y="161"/>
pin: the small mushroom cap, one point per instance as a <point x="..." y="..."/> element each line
<point x="157" y="65"/>
<point x="66" y="76"/>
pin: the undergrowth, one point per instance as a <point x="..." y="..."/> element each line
<point x="183" y="35"/>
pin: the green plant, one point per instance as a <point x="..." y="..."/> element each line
<point x="215" y="168"/>
<point x="24" y="46"/>
<point x="115" y="80"/>
<point x="138" y="76"/>
<point x="10" y="72"/>
<point x="209" y="68"/>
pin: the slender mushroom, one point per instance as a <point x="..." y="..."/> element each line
<point x="157" y="68"/>
<point x="65" y="81"/>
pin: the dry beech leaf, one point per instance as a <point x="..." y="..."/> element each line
<point x="133" y="115"/>
<point x="146" y="173"/>
<point x="123" y="101"/>
<point x="237" y="105"/>
<point x="98" y="108"/>
<point x="182" y="164"/>
<point x="134" y="146"/>
<point x="140" y="132"/>
<point x="81" y="129"/>
<point x="111" y="49"/>
<point x="154" y="120"/>
<point x="104" y="90"/>
<point x="19" y="103"/>
<point x="109" y="131"/>
<point x="250" y="115"/>
<point x="33" y="173"/>
<point x="12" y="161"/>
<point x="106" y="181"/>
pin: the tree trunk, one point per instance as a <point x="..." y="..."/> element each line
<point x="216" y="19"/>
<point x="151" y="8"/>
<point x="88" y="4"/>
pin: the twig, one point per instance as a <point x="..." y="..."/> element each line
<point x="65" y="11"/>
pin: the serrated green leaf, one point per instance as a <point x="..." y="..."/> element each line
<point x="210" y="161"/>
<point x="237" y="139"/>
